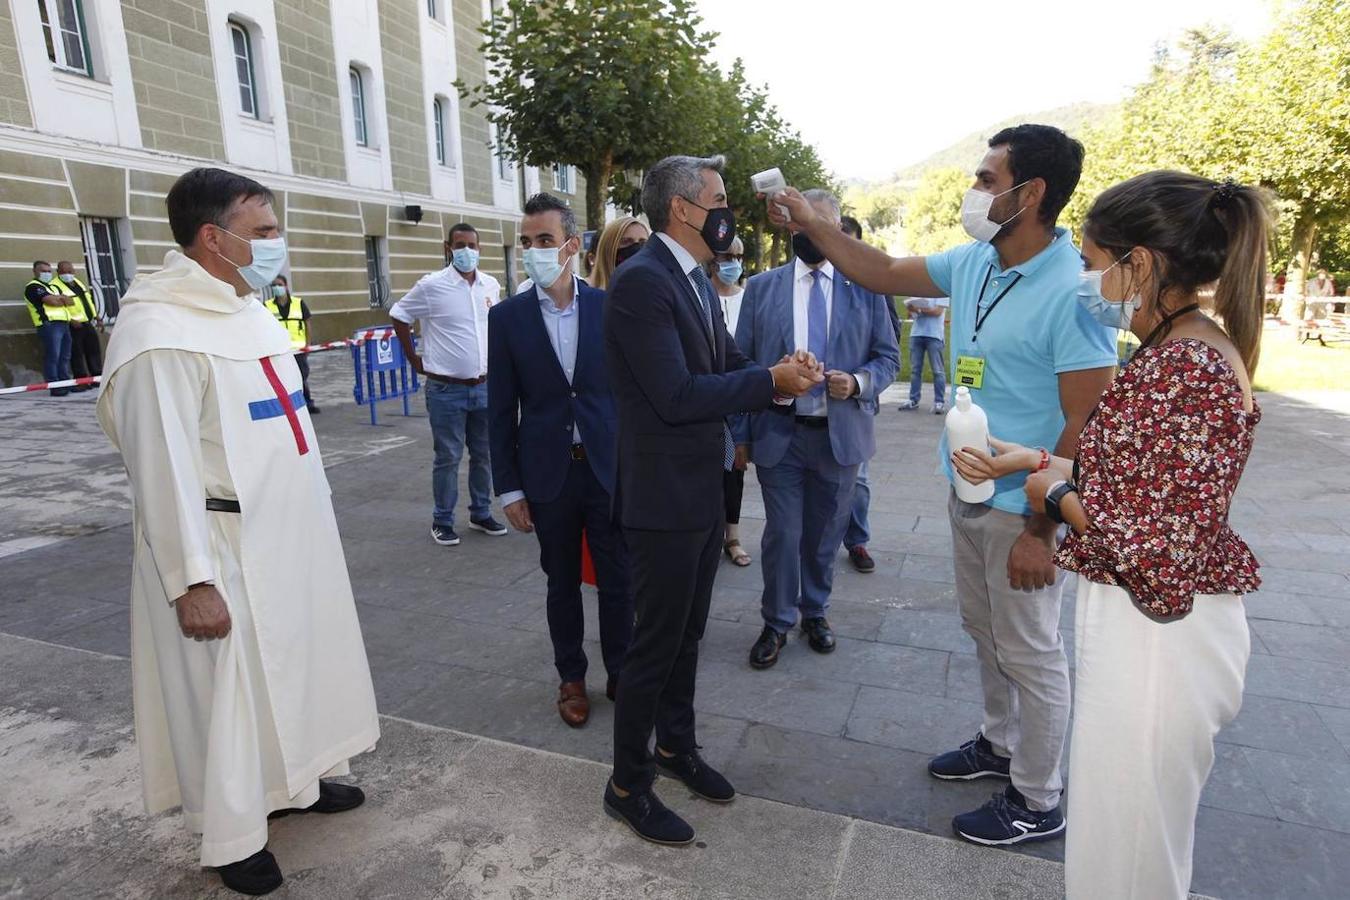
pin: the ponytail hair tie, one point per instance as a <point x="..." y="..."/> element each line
<point x="1224" y="192"/>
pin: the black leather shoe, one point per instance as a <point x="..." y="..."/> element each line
<point x="765" y="652"/>
<point x="333" y="798"/>
<point x="649" y="818"/>
<point x="257" y="875"/>
<point x="818" y="634"/>
<point x="697" y="775"/>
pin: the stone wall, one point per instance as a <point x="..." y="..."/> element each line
<point x="309" y="79"/>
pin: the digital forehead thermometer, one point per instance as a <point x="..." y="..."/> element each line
<point x="770" y="183"/>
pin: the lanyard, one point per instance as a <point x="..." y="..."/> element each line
<point x="980" y="319"/>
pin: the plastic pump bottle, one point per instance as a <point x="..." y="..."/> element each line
<point x="967" y="426"/>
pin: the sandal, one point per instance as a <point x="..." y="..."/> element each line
<point x="736" y="553"/>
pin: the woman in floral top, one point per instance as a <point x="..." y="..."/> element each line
<point x="1162" y="641"/>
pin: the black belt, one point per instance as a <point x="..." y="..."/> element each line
<point x="446" y="379"/>
<point x="214" y="505"/>
<point x="813" y="421"/>
<point x="578" y="452"/>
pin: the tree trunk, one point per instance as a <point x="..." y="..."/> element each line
<point x="597" y="189"/>
<point x="1296" y="279"/>
<point x="776" y="249"/>
<point x="759" y="247"/>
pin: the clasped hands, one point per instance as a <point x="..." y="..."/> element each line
<point x="797" y="373"/>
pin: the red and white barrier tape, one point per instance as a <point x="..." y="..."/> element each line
<point x="95" y="379"/>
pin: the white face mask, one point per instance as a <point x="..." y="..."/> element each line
<point x="975" y="213"/>
<point x="1108" y="313"/>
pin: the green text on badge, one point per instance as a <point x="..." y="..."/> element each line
<point x="970" y="371"/>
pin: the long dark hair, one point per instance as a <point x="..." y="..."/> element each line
<point x="1199" y="232"/>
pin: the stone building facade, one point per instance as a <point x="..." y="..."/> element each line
<point x="345" y="108"/>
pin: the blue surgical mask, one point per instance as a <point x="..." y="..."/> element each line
<point x="269" y="256"/>
<point x="729" y="272"/>
<point x="465" y="259"/>
<point x="45" y="277"/>
<point x="543" y="265"/>
<point x="1107" y="313"/>
<point x="278" y="291"/>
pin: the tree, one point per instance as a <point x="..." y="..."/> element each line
<point x="604" y="85"/>
<point x="933" y="214"/>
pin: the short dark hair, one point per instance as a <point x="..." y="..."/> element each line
<point x="284" y="279"/>
<point x="851" y="225"/>
<point x="1045" y="152"/>
<point x="203" y="197"/>
<point x="545" y="202"/>
<point x="39" y="262"/>
<point x="675" y="176"/>
<point x="461" y="227"/>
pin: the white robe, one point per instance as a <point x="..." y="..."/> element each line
<point x="230" y="729"/>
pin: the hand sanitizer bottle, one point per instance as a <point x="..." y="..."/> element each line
<point x="967" y="426"/>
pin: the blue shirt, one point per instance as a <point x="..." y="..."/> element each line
<point x="930" y="326"/>
<point x="1035" y="333"/>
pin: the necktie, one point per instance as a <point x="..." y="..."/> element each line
<point x="817" y="327"/>
<point x="706" y="300"/>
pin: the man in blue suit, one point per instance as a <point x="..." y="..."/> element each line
<point x="807" y="452"/>
<point x="676" y="375"/>
<point x="551" y="424"/>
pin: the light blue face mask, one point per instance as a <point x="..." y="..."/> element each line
<point x="278" y="291"/>
<point x="544" y="265"/>
<point x="730" y="272"/>
<point x="465" y="259"/>
<point x="269" y="256"/>
<point x="1107" y="313"/>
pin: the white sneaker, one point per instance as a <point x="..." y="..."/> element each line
<point x="906" y="404"/>
<point x="939" y="408"/>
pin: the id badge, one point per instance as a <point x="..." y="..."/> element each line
<point x="970" y="371"/>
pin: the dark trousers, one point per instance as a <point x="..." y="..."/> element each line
<point x="55" y="337"/>
<point x="302" y="363"/>
<point x="86" y="353"/>
<point x="672" y="590"/>
<point x="583" y="504"/>
<point x="733" y="488"/>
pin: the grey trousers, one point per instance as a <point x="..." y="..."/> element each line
<point x="1023" y="670"/>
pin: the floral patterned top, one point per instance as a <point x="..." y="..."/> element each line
<point x="1158" y="465"/>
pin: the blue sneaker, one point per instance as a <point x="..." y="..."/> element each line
<point x="1006" y="820"/>
<point x="974" y="759"/>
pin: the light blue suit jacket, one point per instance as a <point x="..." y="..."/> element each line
<point x="861" y="339"/>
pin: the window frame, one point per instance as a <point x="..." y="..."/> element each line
<point x="438" y="118"/>
<point x="239" y="28"/>
<point x="104" y="265"/>
<point x="377" y="282"/>
<point x="360" y="120"/>
<point x="49" y="11"/>
<point x="433" y="10"/>
<point x="559" y="171"/>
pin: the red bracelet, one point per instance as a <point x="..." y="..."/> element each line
<point x="1045" y="460"/>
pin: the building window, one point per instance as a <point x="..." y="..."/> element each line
<point x="438" y="127"/>
<point x="63" y="30"/>
<point x="562" y="179"/>
<point x="375" y="272"/>
<point x="432" y="9"/>
<point x="505" y="171"/>
<point x="103" y="262"/>
<point x="243" y="67"/>
<point x="359" y="107"/>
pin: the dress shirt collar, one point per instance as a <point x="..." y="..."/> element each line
<point x="803" y="271"/>
<point x="549" y="305"/>
<point x="682" y="256"/>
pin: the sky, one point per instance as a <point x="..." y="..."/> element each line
<point x="877" y="85"/>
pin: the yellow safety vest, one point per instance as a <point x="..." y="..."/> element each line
<point x="294" y="319"/>
<point x="80" y="312"/>
<point x="54" y="313"/>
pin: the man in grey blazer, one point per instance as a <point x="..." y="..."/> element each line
<point x="807" y="451"/>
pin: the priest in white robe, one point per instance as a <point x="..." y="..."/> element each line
<point x="250" y="676"/>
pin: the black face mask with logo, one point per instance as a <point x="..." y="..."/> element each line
<point x="806" y="251"/>
<point x="719" y="227"/>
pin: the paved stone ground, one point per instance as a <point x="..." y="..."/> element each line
<point x="458" y="640"/>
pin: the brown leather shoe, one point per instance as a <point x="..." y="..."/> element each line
<point x="573" y="704"/>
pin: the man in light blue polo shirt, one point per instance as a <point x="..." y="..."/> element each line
<point x="1037" y="364"/>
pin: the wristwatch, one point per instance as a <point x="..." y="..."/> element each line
<point x="1058" y="491"/>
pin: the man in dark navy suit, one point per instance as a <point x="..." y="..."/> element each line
<point x="676" y="376"/>
<point x="552" y="430"/>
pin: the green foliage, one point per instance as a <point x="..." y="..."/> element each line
<point x="933" y="214"/>
<point x="612" y="86"/>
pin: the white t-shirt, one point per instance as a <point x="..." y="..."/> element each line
<point x="454" y="320"/>
<point x="731" y="309"/>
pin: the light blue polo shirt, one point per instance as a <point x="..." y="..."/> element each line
<point x="1035" y="333"/>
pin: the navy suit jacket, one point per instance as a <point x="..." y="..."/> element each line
<point x="861" y="339"/>
<point x="531" y="406"/>
<point x="674" y="384"/>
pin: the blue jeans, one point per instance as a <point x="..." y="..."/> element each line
<point x="56" y="345"/>
<point x="459" y="415"/>
<point x="858" y="533"/>
<point x="930" y="347"/>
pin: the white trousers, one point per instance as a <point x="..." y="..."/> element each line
<point x="1148" y="701"/>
